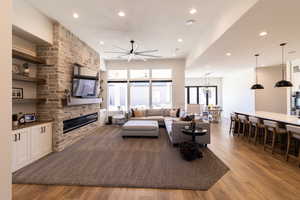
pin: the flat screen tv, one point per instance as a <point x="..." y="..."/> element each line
<point x="84" y="88"/>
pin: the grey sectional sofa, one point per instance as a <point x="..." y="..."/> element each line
<point x="174" y="125"/>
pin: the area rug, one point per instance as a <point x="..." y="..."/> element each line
<point x="104" y="158"/>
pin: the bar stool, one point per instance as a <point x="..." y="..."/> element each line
<point x="293" y="133"/>
<point x="254" y="123"/>
<point x="233" y="122"/>
<point x="243" y="124"/>
<point x="272" y="127"/>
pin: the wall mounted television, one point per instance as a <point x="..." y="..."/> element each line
<point x="84" y="88"/>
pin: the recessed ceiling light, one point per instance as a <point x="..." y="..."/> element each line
<point x="121" y="14"/>
<point x="190" y="22"/>
<point x="101" y="43"/>
<point x="228" y="54"/>
<point x="193" y="11"/>
<point x="180" y="40"/>
<point x="264" y="33"/>
<point x="75" y="15"/>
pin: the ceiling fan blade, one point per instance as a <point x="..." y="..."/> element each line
<point x="130" y="57"/>
<point x="142" y="58"/>
<point x="146" y="55"/>
<point x="135" y="48"/>
<point x="117" y="47"/>
<point x="123" y="52"/>
<point x="148" y="51"/>
<point x="118" y="57"/>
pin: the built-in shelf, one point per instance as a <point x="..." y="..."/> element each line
<point x="72" y="101"/>
<point x="22" y="101"/>
<point x="18" y="77"/>
<point x="28" y="58"/>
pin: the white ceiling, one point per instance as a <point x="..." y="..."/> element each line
<point x="154" y="24"/>
<point x="278" y="17"/>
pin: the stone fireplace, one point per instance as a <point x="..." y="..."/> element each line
<point x="66" y="50"/>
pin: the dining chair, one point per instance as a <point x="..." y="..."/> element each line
<point x="293" y="133"/>
<point x="233" y="122"/>
<point x="243" y="125"/>
<point x="255" y="127"/>
<point x="275" y="130"/>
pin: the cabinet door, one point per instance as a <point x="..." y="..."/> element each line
<point x="48" y="138"/>
<point x="14" y="151"/>
<point x="21" y="148"/>
<point x="36" y="146"/>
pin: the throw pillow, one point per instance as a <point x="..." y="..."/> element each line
<point x="173" y="113"/>
<point x="139" y="113"/>
<point x="178" y="112"/>
<point x="132" y="113"/>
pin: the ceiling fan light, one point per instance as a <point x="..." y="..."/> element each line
<point x="257" y="87"/>
<point x="283" y="83"/>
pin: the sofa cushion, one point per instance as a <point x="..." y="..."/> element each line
<point x="140" y="125"/>
<point x="154" y="112"/>
<point x="173" y="113"/>
<point x="139" y="113"/>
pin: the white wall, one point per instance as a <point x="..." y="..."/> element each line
<point x="178" y="70"/>
<point x="271" y="99"/>
<point x="237" y="95"/>
<point x="212" y="81"/>
<point x="32" y="21"/>
<point x="5" y="99"/>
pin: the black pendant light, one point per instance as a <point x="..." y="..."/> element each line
<point x="256" y="86"/>
<point x="283" y="82"/>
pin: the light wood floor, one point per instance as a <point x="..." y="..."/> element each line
<point x="254" y="174"/>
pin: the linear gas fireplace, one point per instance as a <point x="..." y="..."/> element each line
<point x="72" y="124"/>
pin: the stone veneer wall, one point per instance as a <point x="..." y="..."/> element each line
<point x="66" y="50"/>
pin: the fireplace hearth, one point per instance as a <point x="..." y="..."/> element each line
<point x="72" y="124"/>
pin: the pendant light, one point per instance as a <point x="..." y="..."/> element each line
<point x="256" y="86"/>
<point x="283" y="82"/>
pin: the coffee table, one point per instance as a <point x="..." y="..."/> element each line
<point x="194" y="133"/>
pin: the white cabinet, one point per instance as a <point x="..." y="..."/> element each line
<point x="31" y="144"/>
<point x="21" y="152"/>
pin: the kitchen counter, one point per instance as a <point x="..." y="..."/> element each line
<point x="27" y="125"/>
<point x="278" y="117"/>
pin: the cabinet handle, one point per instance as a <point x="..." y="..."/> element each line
<point x="19" y="136"/>
<point x="16" y="138"/>
<point x="41" y="129"/>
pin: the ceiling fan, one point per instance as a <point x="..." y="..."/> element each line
<point x="133" y="53"/>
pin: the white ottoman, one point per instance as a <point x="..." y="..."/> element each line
<point x="148" y="128"/>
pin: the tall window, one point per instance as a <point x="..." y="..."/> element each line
<point x="142" y="88"/>
<point x="117" y="74"/>
<point x="161" y="94"/>
<point x="139" y="94"/>
<point x="207" y="95"/>
<point x="117" y="96"/>
<point x="139" y="74"/>
<point x="161" y="73"/>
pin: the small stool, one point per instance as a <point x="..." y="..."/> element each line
<point x="273" y="127"/>
<point x="243" y="125"/>
<point x="254" y="123"/>
<point x="233" y="122"/>
<point x="293" y="133"/>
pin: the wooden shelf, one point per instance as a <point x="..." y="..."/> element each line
<point x="29" y="58"/>
<point x="18" y="77"/>
<point x="22" y="101"/>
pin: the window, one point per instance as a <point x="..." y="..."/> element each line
<point x="161" y="73"/>
<point x="140" y="88"/>
<point x="139" y="74"/>
<point x="162" y="94"/>
<point x="139" y="94"/>
<point x="117" y="74"/>
<point x="117" y="96"/>
<point x="193" y="95"/>
<point x="207" y="95"/>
